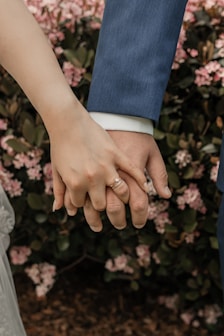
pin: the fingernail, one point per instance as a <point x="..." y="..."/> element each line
<point x="146" y="187"/>
<point x="54" y="207"/>
<point x="167" y="191"/>
<point x="71" y="212"/>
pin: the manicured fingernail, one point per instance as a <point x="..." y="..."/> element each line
<point x="146" y="187"/>
<point x="167" y="191"/>
<point x="71" y="212"/>
<point x="96" y="228"/>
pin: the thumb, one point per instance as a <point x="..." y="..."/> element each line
<point x="58" y="188"/>
<point x="158" y="174"/>
<point x="127" y="166"/>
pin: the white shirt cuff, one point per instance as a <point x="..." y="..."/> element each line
<point x="117" y="122"/>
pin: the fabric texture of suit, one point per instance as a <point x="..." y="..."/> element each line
<point x="135" y="52"/>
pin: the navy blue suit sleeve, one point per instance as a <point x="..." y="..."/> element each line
<point x="134" y="56"/>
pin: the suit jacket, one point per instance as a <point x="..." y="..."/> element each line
<point x="134" y="56"/>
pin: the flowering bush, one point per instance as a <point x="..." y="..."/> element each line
<point x="176" y="254"/>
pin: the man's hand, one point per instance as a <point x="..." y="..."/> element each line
<point x="144" y="153"/>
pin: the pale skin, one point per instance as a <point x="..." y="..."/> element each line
<point x="85" y="159"/>
<point x="144" y="152"/>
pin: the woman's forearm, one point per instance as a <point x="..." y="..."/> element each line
<point x="26" y="54"/>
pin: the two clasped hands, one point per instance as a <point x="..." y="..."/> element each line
<point x="105" y="171"/>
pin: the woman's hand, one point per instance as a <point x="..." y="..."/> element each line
<point x="85" y="162"/>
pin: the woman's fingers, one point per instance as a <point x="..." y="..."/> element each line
<point x="58" y="189"/>
<point x="70" y="207"/>
<point x="92" y="216"/>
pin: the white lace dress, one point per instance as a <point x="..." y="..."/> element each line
<point x="10" y="321"/>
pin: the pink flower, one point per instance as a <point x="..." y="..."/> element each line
<point x="183" y="157"/>
<point x="161" y="221"/>
<point x="170" y="302"/>
<point x="34" y="173"/>
<point x="3" y="124"/>
<point x="144" y="255"/>
<point x="210" y="313"/>
<point x="19" y="254"/>
<point x="4" y="144"/>
<point x="43" y="276"/>
<point x="192" y="197"/>
<point x="110" y="266"/>
<point x="203" y="78"/>
<point x="193" y="52"/>
<point x="10" y="185"/>
<point x="48" y="179"/>
<point x="28" y="160"/>
<point x="73" y="74"/>
<point x="187" y="317"/>
<point x="119" y="263"/>
<point x="156" y="258"/>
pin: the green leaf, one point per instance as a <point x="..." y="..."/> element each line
<point x="158" y="135"/>
<point x="63" y="243"/>
<point x="171" y="229"/>
<point x="190" y="217"/>
<point x="28" y="131"/>
<point x="192" y="295"/>
<point x="192" y="283"/>
<point x="190" y="227"/>
<point x="3" y="111"/>
<point x="172" y="140"/>
<point x="35" y="201"/>
<point x="89" y="58"/>
<point x="36" y="245"/>
<point x="17" y="145"/>
<point x="71" y="57"/>
<point x="174" y="180"/>
<point x="134" y="285"/>
<point x="113" y="248"/>
<point x="41" y="218"/>
<point x="40" y="134"/>
<point x="188" y="173"/>
<point x="214" y="243"/>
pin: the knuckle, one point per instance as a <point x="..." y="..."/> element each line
<point x="114" y="208"/>
<point x="99" y="206"/>
<point x="140" y="206"/>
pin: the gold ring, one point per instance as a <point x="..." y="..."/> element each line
<point x="117" y="181"/>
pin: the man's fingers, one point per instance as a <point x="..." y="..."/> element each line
<point x="138" y="203"/>
<point x="157" y="172"/>
<point x="92" y="216"/>
<point x="115" y="210"/>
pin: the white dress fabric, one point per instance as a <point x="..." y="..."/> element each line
<point x="10" y="321"/>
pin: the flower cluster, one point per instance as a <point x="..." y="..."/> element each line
<point x="53" y="15"/>
<point x="43" y="276"/>
<point x="209" y="314"/>
<point x="191" y="197"/>
<point x="58" y="16"/>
